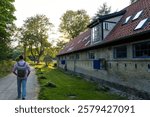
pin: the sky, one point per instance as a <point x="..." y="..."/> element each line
<point x="54" y="9"/>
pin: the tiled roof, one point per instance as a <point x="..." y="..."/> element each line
<point x="120" y="31"/>
<point x="80" y="42"/>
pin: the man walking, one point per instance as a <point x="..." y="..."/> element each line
<point x="21" y="70"/>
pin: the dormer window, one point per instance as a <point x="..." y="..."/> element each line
<point x="137" y="15"/>
<point x="127" y="20"/>
<point x="96" y="32"/>
<point x="103" y="25"/>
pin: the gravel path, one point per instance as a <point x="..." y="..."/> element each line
<point x="8" y="87"/>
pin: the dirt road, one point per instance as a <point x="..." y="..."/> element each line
<point x="8" y="87"/>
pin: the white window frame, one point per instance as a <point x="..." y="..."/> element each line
<point x="137" y="15"/>
<point x="127" y="19"/>
<point x="141" y="24"/>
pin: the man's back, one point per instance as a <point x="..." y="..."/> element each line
<point x="23" y="64"/>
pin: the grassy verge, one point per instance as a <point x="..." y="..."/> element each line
<point x="5" y="68"/>
<point x="56" y="85"/>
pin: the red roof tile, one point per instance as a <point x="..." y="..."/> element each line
<point x="119" y="31"/>
<point x="80" y="42"/>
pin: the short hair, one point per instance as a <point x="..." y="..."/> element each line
<point x="20" y="57"/>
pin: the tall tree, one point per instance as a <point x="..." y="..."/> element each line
<point x="73" y="23"/>
<point x="6" y="23"/>
<point x="59" y="46"/>
<point x="23" y="38"/>
<point x="103" y="10"/>
<point x="35" y="35"/>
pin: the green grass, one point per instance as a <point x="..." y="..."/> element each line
<point x="69" y="87"/>
<point x="5" y="68"/>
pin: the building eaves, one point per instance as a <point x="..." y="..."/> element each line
<point x="105" y="17"/>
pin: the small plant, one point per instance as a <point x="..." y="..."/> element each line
<point x="50" y="85"/>
<point x="42" y="77"/>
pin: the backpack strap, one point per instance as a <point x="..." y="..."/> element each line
<point x="21" y="65"/>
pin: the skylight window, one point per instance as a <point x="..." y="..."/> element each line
<point x="86" y="38"/>
<point x="87" y="43"/>
<point x="137" y="15"/>
<point x="127" y="19"/>
<point x="141" y="24"/>
<point x="71" y="44"/>
<point x="70" y="49"/>
<point x="79" y="41"/>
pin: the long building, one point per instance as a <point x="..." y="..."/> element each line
<point x="114" y="50"/>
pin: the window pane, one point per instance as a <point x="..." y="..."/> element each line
<point x="96" y="33"/>
<point x="142" y="49"/>
<point x="137" y="15"/>
<point x="91" y="55"/>
<point x="127" y="20"/>
<point x="141" y="24"/>
<point x="120" y="52"/>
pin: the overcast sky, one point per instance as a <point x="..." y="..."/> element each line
<point x="54" y="9"/>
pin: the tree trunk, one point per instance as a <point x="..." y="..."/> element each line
<point x="34" y="57"/>
<point x="38" y="60"/>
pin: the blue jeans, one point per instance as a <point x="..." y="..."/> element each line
<point x="21" y="83"/>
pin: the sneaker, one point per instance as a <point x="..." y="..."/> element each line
<point x="23" y="98"/>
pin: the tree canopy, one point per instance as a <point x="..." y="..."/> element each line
<point x="73" y="23"/>
<point x="7" y="17"/>
<point x="102" y="10"/>
<point x="34" y="35"/>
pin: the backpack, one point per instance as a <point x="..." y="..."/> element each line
<point x="21" y="70"/>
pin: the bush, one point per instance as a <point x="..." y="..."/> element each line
<point x="6" y="67"/>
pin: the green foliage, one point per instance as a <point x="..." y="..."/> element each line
<point x="68" y="87"/>
<point x="47" y="59"/>
<point x="73" y="23"/>
<point x="103" y="10"/>
<point x="34" y="35"/>
<point x="16" y="52"/>
<point x="6" y="26"/>
<point x="6" y="67"/>
<point x="59" y="46"/>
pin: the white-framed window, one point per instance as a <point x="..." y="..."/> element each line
<point x="127" y="20"/>
<point x="137" y="15"/>
<point x="87" y="43"/>
<point x="141" y="24"/>
<point x="106" y="26"/>
<point x="96" y="33"/>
